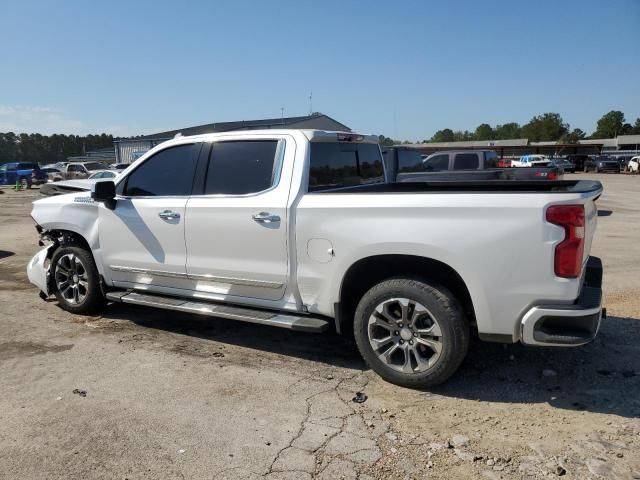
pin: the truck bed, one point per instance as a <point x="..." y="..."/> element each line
<point x="480" y="186"/>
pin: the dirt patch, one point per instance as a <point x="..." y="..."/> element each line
<point x="28" y="349"/>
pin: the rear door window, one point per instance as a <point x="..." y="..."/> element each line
<point x="466" y="161"/>
<point x="337" y="164"/>
<point x="241" y="167"/>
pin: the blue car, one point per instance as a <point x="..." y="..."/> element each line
<point x="25" y="173"/>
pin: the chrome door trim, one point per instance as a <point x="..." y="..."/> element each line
<point x="146" y="271"/>
<point x="236" y="281"/>
<point x="206" y="277"/>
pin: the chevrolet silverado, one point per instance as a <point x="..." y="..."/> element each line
<point x="299" y="229"/>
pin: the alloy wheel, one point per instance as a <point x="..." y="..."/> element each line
<point x="405" y="335"/>
<point x="71" y="279"/>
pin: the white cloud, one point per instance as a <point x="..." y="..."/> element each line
<point x="36" y="119"/>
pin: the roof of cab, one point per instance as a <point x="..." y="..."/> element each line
<point x="311" y="135"/>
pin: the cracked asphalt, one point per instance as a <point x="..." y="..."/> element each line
<point x="179" y="396"/>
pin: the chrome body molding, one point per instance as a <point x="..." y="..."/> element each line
<point x="207" y="278"/>
<point x="145" y="271"/>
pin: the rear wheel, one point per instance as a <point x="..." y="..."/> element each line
<point x="76" y="280"/>
<point x="24" y="183"/>
<point x="586" y="169"/>
<point x="411" y="333"/>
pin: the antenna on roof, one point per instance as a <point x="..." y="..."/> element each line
<point x="310" y="103"/>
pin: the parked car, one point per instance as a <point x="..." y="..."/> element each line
<point x="578" y="160"/>
<point x="309" y="235"/>
<point x="601" y="164"/>
<point x="633" y="165"/>
<point x="82" y="185"/>
<point x="405" y="164"/>
<point x="52" y="173"/>
<point x="504" y="163"/>
<point x="79" y="170"/>
<point x="531" y="161"/>
<point x="25" y="173"/>
<point x="563" y="164"/>
<point x="624" y="161"/>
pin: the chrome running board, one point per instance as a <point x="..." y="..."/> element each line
<point x="263" y="317"/>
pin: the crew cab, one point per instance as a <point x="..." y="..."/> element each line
<point x="299" y="229"/>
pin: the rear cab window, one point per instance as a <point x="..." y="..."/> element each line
<point x="336" y="165"/>
<point x="410" y="161"/>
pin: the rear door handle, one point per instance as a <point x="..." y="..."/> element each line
<point x="169" y="215"/>
<point x="266" y="217"/>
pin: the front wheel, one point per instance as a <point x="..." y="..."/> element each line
<point x="76" y="280"/>
<point x="24" y="183"/>
<point x="586" y="169"/>
<point x="411" y="333"/>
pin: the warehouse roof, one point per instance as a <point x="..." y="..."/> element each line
<point x="307" y="121"/>
<point x="628" y="139"/>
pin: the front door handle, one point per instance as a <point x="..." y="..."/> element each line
<point x="266" y="217"/>
<point x="169" y="215"/>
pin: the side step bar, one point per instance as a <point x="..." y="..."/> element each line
<point x="263" y="317"/>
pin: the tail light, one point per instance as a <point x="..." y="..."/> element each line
<point x="568" y="255"/>
<point x="550" y="175"/>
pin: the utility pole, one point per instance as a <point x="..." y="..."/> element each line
<point x="282" y="114"/>
<point x="310" y="103"/>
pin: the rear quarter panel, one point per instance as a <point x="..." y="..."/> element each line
<point x="500" y="244"/>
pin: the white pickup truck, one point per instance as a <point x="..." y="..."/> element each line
<point x="299" y="229"/>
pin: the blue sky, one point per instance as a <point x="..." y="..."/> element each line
<point x="404" y="69"/>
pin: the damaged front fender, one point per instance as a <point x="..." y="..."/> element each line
<point x="38" y="269"/>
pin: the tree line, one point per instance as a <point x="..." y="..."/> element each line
<point x="541" y="128"/>
<point x="45" y="149"/>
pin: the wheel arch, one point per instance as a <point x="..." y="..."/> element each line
<point x="369" y="271"/>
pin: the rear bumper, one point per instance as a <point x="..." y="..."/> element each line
<point x="568" y="325"/>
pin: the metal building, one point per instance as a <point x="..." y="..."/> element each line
<point x="129" y="149"/>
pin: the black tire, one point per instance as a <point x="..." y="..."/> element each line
<point x="24" y="183"/>
<point x="93" y="299"/>
<point x="446" y="312"/>
<point x="596" y="170"/>
<point x="586" y="169"/>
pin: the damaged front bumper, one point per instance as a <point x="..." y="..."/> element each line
<point x="38" y="270"/>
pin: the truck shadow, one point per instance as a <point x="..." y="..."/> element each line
<point x="602" y="377"/>
<point x="328" y="348"/>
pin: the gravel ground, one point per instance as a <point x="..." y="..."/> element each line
<point x="139" y="393"/>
